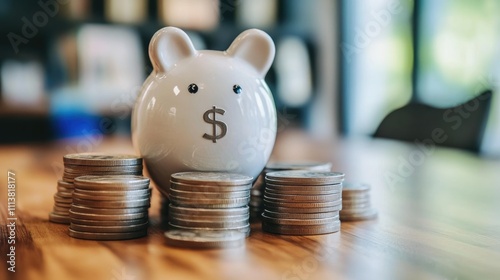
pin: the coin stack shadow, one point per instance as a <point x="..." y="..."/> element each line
<point x="209" y="201"/>
<point x="113" y="207"/>
<point x="257" y="193"/>
<point x="302" y="202"/>
<point x="356" y="204"/>
<point x="81" y="164"/>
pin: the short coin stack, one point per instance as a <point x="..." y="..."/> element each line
<point x="112" y="207"/>
<point x="302" y="202"/>
<point x="356" y="204"/>
<point x="88" y="164"/>
<point x="213" y="206"/>
<point x="257" y="194"/>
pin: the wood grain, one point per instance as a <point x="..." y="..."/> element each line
<point x="440" y="221"/>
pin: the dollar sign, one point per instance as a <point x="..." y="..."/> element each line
<point x="215" y="123"/>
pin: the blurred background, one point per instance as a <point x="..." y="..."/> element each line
<point x="72" y="69"/>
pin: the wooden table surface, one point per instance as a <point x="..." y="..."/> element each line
<point x="438" y="219"/>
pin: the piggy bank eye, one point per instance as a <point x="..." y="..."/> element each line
<point x="237" y="89"/>
<point x="193" y="88"/>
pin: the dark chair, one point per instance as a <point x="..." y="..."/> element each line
<point x="462" y="126"/>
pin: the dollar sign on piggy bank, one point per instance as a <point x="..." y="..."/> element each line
<point x="204" y="110"/>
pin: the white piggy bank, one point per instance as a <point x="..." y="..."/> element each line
<point x="205" y="110"/>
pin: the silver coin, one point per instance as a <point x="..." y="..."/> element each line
<point x="301" y="189"/>
<point x="208" y="218"/>
<point x="86" y="168"/>
<point x="357" y="210"/>
<point x="102" y="217"/>
<point x="118" y="204"/>
<point x="366" y="215"/>
<point x="58" y="218"/>
<point x="107" y="235"/>
<point x="301" y="216"/>
<point x="112" y="181"/>
<point x="113" y="223"/>
<point x="116" y="229"/>
<point x="356" y="195"/>
<point x="301" y="230"/>
<point x="212" y="178"/>
<point x="311" y="166"/>
<point x="107" y="211"/>
<point x="211" y="203"/>
<point x="305" y="191"/>
<point x="302" y="198"/>
<point x="356" y="187"/>
<point x="210" y="224"/>
<point x="244" y="210"/>
<point x="208" y="195"/>
<point x="303" y="210"/>
<point x="299" y="222"/>
<point x="300" y="177"/>
<point x="244" y="229"/>
<point x="112" y="195"/>
<point x="354" y="202"/>
<point x="204" y="239"/>
<point x="208" y="188"/>
<point x="302" y="204"/>
<point x="98" y="159"/>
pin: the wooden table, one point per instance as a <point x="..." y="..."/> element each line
<point x="438" y="219"/>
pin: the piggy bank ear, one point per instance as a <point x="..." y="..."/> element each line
<point x="168" y="46"/>
<point x="255" y="47"/>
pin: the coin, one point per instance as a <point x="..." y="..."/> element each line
<point x="123" y="195"/>
<point x="61" y="199"/>
<point x="298" y="222"/>
<point x="301" y="230"/>
<point x="358" y="216"/>
<point x="129" y="222"/>
<point x="102" y="217"/>
<point x="208" y="195"/>
<point x="116" y="229"/>
<point x="303" y="216"/>
<point x="102" y="169"/>
<point x="204" y="239"/>
<point x="105" y="211"/>
<point x="244" y="229"/>
<point x="58" y="218"/>
<point x="244" y="210"/>
<point x="200" y="187"/>
<point x="274" y="203"/>
<point x="301" y="198"/>
<point x="311" y="166"/>
<point x="107" y="235"/>
<point x="303" y="210"/>
<point x="355" y="187"/>
<point x="212" y="178"/>
<point x="300" y="177"/>
<point x="112" y="181"/>
<point x="301" y="189"/>
<point x="208" y="218"/>
<point x="209" y="224"/>
<point x="119" y="204"/>
<point x="96" y="159"/>
<point x="211" y="203"/>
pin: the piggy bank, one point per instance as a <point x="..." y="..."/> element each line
<point x="204" y="110"/>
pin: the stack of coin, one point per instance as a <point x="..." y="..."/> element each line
<point x="302" y="202"/>
<point x="210" y="202"/>
<point x="112" y="207"/>
<point x="88" y="164"/>
<point x="257" y="194"/>
<point x="356" y="204"/>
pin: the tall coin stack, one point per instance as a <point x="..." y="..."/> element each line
<point x="357" y="203"/>
<point x="257" y="193"/>
<point x="112" y="207"/>
<point x="210" y="204"/>
<point x="76" y="165"/>
<point x="302" y="202"/>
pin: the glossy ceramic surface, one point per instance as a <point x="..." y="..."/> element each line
<point x="205" y="110"/>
